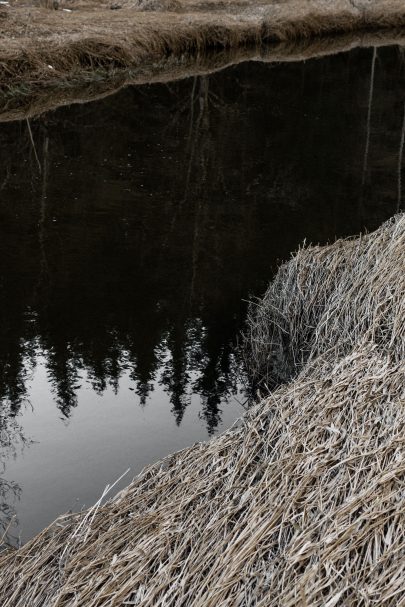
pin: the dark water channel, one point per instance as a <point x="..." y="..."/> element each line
<point x="131" y="237"/>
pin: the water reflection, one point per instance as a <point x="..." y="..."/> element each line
<point x="134" y="229"/>
<point x="12" y="442"/>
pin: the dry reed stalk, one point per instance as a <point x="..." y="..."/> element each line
<point x="301" y="503"/>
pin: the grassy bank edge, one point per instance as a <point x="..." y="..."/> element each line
<point x="43" y="48"/>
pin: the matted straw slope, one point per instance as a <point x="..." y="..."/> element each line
<point x="302" y="503"/>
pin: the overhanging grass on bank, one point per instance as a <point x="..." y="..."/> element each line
<point x="21" y="100"/>
<point x="40" y="45"/>
<point x="301" y="503"/>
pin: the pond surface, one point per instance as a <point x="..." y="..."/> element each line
<point x="132" y="232"/>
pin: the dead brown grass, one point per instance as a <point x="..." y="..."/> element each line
<point x="27" y="100"/>
<point x="301" y="503"/>
<point x="41" y="44"/>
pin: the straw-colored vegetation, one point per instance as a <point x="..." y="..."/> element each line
<point x="41" y="44"/>
<point x="26" y="100"/>
<point x="327" y="301"/>
<point x="302" y="502"/>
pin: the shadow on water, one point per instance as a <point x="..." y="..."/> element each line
<point x="134" y="229"/>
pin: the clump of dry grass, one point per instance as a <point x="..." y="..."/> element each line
<point x="301" y="503"/>
<point x="326" y="300"/>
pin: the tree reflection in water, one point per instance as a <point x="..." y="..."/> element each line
<point x="12" y="440"/>
<point x="134" y="229"/>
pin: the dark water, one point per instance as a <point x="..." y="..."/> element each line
<point x="132" y="235"/>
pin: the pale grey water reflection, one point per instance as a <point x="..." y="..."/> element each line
<point x="104" y="435"/>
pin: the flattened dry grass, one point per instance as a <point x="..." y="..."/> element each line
<point x="301" y="503"/>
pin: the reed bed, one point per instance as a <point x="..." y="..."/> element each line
<point x="301" y="502"/>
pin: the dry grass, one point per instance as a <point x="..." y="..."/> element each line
<point x="26" y="100"/>
<point x="38" y="44"/>
<point x="326" y="300"/>
<point x="301" y="503"/>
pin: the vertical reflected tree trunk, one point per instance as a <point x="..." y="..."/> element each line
<point x="44" y="263"/>
<point x="370" y="105"/>
<point x="42" y="216"/>
<point x="33" y="145"/>
<point x="190" y="152"/>
<point x="203" y="119"/>
<point x="400" y="159"/>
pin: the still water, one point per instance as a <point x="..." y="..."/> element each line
<point x="134" y="229"/>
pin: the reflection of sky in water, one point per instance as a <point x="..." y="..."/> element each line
<point x="104" y="435"/>
<point x="126" y="263"/>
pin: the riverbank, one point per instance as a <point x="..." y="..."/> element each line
<point x="72" y="42"/>
<point x="21" y="101"/>
<point x="299" y="503"/>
